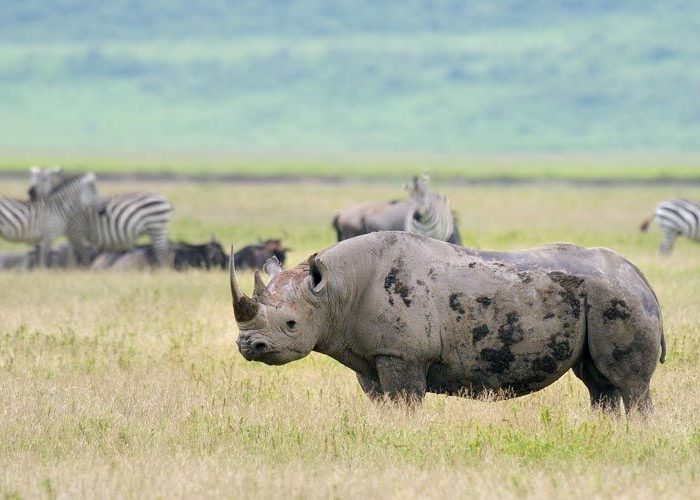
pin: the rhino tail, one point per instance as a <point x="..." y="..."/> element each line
<point x="662" y="359"/>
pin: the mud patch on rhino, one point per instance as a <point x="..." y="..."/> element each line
<point x="544" y="364"/>
<point x="618" y="310"/>
<point x="432" y="274"/>
<point x="549" y="315"/>
<point x="560" y="350"/>
<point x="484" y="301"/>
<point x="479" y="333"/>
<point x="510" y="332"/>
<point x="499" y="359"/>
<point x="393" y="285"/>
<point x="424" y="285"/>
<point x="400" y="325"/>
<point x="569" y="293"/>
<point x="525" y="277"/>
<point x="455" y="303"/>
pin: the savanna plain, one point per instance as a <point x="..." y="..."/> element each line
<point x="130" y="384"/>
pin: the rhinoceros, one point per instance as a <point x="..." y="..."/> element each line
<point x="425" y="212"/>
<point x="411" y="315"/>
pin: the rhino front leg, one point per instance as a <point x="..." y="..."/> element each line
<point x="370" y="386"/>
<point x="401" y="380"/>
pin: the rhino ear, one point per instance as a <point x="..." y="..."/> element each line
<point x="272" y="266"/>
<point x="318" y="273"/>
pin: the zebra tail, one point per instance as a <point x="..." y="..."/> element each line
<point x="645" y="224"/>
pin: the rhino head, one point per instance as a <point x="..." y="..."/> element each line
<point x="283" y="320"/>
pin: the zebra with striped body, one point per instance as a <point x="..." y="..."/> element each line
<point x="676" y="218"/>
<point x="40" y="221"/>
<point x="431" y="214"/>
<point x="115" y="223"/>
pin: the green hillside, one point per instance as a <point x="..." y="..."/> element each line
<point x="297" y="77"/>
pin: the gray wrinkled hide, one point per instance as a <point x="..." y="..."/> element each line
<point x="370" y="217"/>
<point x="410" y="315"/>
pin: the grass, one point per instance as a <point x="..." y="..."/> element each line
<point x="130" y="385"/>
<point x="521" y="166"/>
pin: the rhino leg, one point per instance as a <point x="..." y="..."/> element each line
<point x="370" y="386"/>
<point x="604" y="395"/>
<point x="625" y="347"/>
<point x="638" y="398"/>
<point x="401" y="380"/>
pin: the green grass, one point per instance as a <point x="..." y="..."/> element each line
<point x="130" y="385"/>
<point x="397" y="167"/>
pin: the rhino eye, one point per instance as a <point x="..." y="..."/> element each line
<point x="291" y="324"/>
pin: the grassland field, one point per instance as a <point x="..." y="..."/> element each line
<point x="130" y="384"/>
<point x="370" y="166"/>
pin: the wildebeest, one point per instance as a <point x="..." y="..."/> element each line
<point x="59" y="257"/>
<point x="415" y="214"/>
<point x="210" y="255"/>
<point x="255" y="256"/>
<point x="410" y="315"/>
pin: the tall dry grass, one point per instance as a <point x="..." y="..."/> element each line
<point x="130" y="385"/>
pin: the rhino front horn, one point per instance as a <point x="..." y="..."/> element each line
<point x="244" y="308"/>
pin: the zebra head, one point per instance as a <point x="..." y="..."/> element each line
<point x="74" y="193"/>
<point x="44" y="180"/>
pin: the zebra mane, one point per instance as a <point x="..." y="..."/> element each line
<point x="71" y="180"/>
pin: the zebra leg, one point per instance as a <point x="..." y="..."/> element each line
<point x="161" y="246"/>
<point x="667" y="243"/>
<point x="44" y="253"/>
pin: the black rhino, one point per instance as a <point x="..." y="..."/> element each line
<point x="412" y="315"/>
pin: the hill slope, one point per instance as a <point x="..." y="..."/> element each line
<point x="314" y="75"/>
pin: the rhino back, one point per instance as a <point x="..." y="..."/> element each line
<point x="474" y="324"/>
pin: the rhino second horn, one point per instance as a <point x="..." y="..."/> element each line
<point x="260" y="291"/>
<point x="244" y="308"/>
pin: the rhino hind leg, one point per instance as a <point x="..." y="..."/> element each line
<point x="604" y="395"/>
<point x="638" y="399"/>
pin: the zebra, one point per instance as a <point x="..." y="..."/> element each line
<point x="677" y="218"/>
<point x="40" y="221"/>
<point x="115" y="223"/>
<point x="431" y="214"/>
<point x="391" y="215"/>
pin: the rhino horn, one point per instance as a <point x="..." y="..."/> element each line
<point x="244" y="308"/>
<point x="260" y="292"/>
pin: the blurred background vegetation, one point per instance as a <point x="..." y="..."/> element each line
<point x="289" y="79"/>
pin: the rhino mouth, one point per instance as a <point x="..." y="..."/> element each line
<point x="268" y="357"/>
<point x="259" y="350"/>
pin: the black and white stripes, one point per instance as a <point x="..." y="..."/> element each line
<point x="431" y="214"/>
<point x="676" y="218"/>
<point x="117" y="222"/>
<point x="40" y="221"/>
<point x="114" y="223"/>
